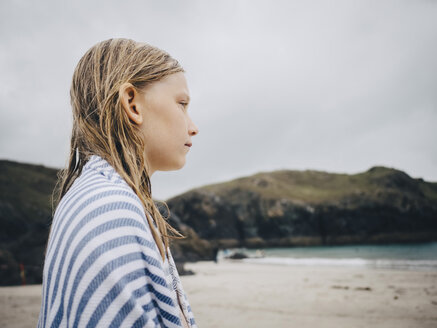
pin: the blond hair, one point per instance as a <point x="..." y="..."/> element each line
<point x="102" y="127"/>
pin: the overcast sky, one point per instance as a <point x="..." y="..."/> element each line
<point x="338" y="86"/>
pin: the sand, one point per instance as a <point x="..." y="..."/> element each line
<point x="19" y="306"/>
<point x="236" y="294"/>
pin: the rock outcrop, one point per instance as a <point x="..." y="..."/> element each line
<point x="25" y="219"/>
<point x="290" y="208"/>
<point x="281" y="208"/>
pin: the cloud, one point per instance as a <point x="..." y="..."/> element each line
<point x="338" y="86"/>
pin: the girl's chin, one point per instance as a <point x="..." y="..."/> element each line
<point x="174" y="166"/>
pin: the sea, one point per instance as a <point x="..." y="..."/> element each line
<point x="420" y="257"/>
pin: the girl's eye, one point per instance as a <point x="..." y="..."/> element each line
<point x="183" y="104"/>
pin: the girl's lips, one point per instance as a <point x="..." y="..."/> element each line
<point x="188" y="144"/>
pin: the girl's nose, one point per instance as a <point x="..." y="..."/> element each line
<point x="193" y="129"/>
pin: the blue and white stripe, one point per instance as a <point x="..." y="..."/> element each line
<point x="102" y="266"/>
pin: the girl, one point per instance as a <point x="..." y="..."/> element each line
<point x="107" y="262"/>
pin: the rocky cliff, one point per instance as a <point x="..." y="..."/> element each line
<point x="25" y="219"/>
<point x="25" y="216"/>
<point x="287" y="208"/>
<point x="281" y="208"/>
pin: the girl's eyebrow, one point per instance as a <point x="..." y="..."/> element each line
<point x="185" y="95"/>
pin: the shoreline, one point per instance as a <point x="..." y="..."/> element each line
<point x="357" y="263"/>
<point x="239" y="294"/>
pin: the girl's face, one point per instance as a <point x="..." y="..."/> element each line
<point x="166" y="125"/>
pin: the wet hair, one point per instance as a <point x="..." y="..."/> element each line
<point x="102" y="127"/>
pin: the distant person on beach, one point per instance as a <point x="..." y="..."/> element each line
<point x="215" y="253"/>
<point x="108" y="262"/>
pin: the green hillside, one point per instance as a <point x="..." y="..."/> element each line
<point x="317" y="187"/>
<point x="287" y="208"/>
<point x="25" y="219"/>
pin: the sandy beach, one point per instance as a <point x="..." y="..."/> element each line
<point x="236" y="294"/>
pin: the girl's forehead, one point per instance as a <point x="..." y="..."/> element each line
<point x="175" y="83"/>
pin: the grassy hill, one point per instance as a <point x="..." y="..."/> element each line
<point x="25" y="216"/>
<point x="313" y="207"/>
<point x="25" y="219"/>
<point x="318" y="187"/>
<point x="280" y="208"/>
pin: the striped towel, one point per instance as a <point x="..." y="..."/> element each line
<point x="102" y="265"/>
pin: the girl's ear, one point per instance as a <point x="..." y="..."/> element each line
<point x="129" y="98"/>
